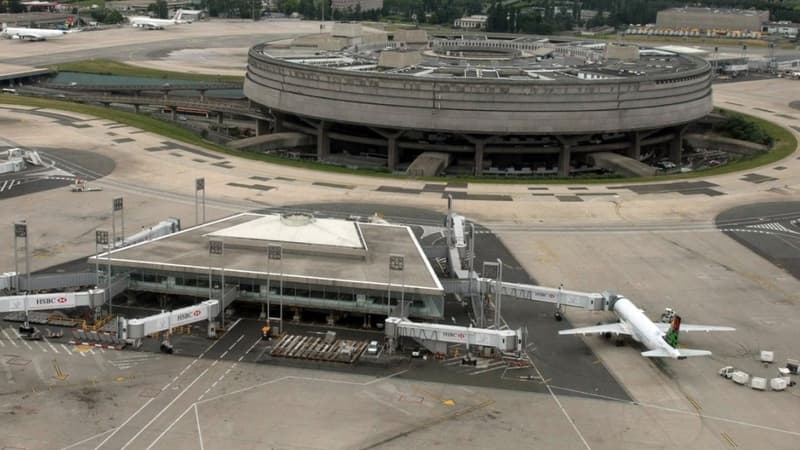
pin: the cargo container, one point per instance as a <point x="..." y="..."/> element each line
<point x="767" y="356"/>
<point x="740" y="377"/>
<point x="778" y="384"/>
<point x="758" y="383"/>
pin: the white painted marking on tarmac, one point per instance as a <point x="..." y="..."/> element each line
<point x="214" y="363"/>
<point x="66" y="349"/>
<point x="214" y="384"/>
<point x="147" y="425"/>
<point x="223" y="354"/>
<point x="189" y="408"/>
<point x="254" y="344"/>
<point x="87" y="439"/>
<point x="385" y="403"/>
<point x="91" y="350"/>
<point x="3" y="187"/>
<point x="680" y="411"/>
<point x="83" y="354"/>
<point x="126" y="422"/>
<point x="9" y="338"/>
<point x="241" y="358"/>
<point x="38" y="344"/>
<point x="491" y="369"/>
<point x="1" y="343"/>
<point x="234" y="344"/>
<point x="199" y="432"/>
<point x="20" y="338"/>
<point x="50" y="345"/>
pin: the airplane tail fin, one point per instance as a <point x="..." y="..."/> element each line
<point x="682" y="353"/>
<point x="673" y="332"/>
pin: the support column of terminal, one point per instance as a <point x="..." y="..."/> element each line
<point x="323" y="141"/>
<point x="635" y="150"/>
<point x="392" y="150"/>
<point x="565" y="155"/>
<point x="279" y="121"/>
<point x="220" y="117"/>
<point x="676" y="145"/>
<point x="480" y="148"/>
<point x="262" y="127"/>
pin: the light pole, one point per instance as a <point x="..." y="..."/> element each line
<point x="275" y="252"/>
<point x="396" y="262"/>
<point x="199" y="185"/>
<point x="101" y="238"/>
<point x="21" y="232"/>
<point x="117" y="206"/>
<point x="218" y="248"/>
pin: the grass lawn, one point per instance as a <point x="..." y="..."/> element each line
<point x="107" y="67"/>
<point x="785" y="144"/>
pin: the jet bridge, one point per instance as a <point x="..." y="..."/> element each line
<point x="557" y="296"/>
<point x="139" y="328"/>
<point x="59" y="300"/>
<point x="435" y="337"/>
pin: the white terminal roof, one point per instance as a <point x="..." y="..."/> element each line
<point x="684" y="50"/>
<point x="298" y="229"/>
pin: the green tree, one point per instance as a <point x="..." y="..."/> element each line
<point x="159" y="9"/>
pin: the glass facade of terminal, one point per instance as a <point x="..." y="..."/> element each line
<point x="324" y="297"/>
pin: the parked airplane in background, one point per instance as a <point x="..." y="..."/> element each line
<point x="661" y="339"/>
<point x="31" y="34"/>
<point x="157" y="24"/>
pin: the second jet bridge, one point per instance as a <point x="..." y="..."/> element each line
<point x="435" y="337"/>
<point x="139" y="328"/>
<point x="556" y="296"/>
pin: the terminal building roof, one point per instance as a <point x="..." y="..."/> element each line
<point x="524" y="58"/>
<point x="319" y="251"/>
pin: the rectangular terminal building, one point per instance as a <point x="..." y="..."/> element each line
<point x="326" y="265"/>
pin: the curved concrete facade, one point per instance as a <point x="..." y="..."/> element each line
<point x="482" y="106"/>
<point x="547" y="99"/>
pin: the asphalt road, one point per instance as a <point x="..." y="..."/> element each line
<point x="770" y="229"/>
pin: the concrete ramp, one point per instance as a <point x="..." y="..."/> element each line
<point x="621" y="164"/>
<point x="726" y="144"/>
<point x="428" y="164"/>
<point x="274" y="141"/>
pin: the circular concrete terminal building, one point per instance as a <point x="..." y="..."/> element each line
<point x="481" y="105"/>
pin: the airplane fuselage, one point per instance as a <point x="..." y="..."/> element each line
<point x="642" y="328"/>
<point x="33" y="34"/>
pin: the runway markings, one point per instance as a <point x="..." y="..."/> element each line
<point x="728" y="439"/>
<point x="774" y="226"/>
<point x="133" y="360"/>
<point x="8" y="184"/>
<point x="9" y="338"/>
<point x="199" y="432"/>
<point x="695" y="405"/>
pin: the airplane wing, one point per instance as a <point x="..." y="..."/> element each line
<point x="664" y="327"/>
<point x="615" y="328"/>
<point x="682" y="353"/>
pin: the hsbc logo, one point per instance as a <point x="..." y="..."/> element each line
<point x="196" y="313"/>
<point x="51" y="301"/>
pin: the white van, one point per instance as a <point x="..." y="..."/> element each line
<point x="372" y="348"/>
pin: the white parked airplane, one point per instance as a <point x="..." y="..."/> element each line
<point x="661" y="339"/>
<point x="157" y="24"/>
<point x="32" y="34"/>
